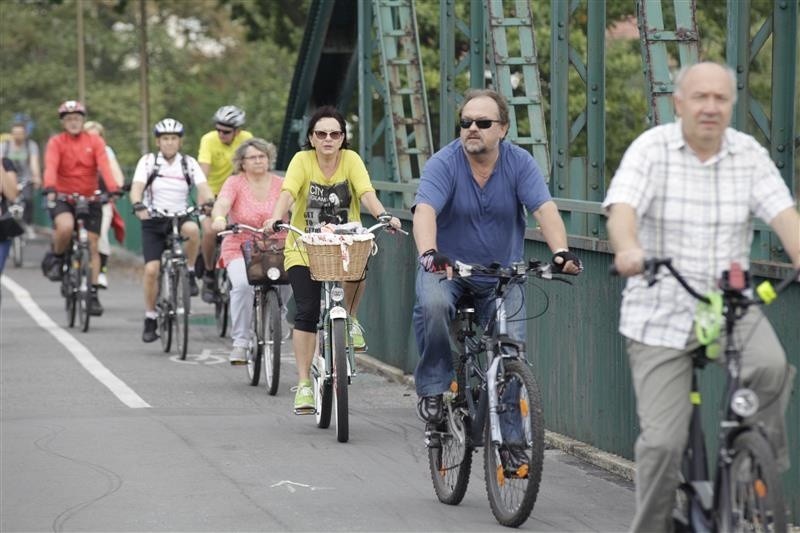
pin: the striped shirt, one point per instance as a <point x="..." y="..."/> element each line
<point x="698" y="213"/>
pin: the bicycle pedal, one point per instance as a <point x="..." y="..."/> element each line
<point x="305" y="411"/>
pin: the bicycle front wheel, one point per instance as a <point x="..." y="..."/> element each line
<point x="513" y="469"/>
<point x="339" y="346"/>
<point x="255" y="350"/>
<point x="165" y="309"/>
<point x="271" y="346"/>
<point x="84" y="289"/>
<point x="17" y="245"/>
<point x="182" y="305"/>
<point x="750" y="496"/>
<point x="323" y="391"/>
<point x="68" y="284"/>
<point x="222" y="302"/>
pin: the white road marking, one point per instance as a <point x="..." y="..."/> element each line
<point x="82" y="354"/>
<point x="206" y="358"/>
<point x="290" y="486"/>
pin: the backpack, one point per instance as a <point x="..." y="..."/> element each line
<point x="154" y="173"/>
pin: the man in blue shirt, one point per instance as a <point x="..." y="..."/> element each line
<point x="471" y="206"/>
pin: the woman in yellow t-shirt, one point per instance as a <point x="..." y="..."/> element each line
<point x="324" y="182"/>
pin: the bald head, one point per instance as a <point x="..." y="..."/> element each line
<point x="705" y="69"/>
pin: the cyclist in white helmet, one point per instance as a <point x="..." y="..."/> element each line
<point x="163" y="181"/>
<point x="216" y="159"/>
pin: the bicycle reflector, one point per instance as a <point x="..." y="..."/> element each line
<point x="708" y="323"/>
<point x="766" y="292"/>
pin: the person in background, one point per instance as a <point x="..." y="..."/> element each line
<point x="24" y="154"/>
<point x="247" y="197"/>
<point x="163" y="181"/>
<point x="8" y="193"/>
<point x="689" y="190"/>
<point x="103" y="245"/>
<point x="72" y="161"/>
<point x="326" y="182"/>
<point x="215" y="157"/>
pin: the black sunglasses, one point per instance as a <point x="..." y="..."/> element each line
<point x="483" y="123"/>
<point x="224" y="131"/>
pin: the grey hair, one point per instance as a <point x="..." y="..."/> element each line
<point x="679" y="77"/>
<point x="265" y="147"/>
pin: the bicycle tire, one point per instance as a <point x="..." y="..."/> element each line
<point x="67" y="290"/>
<point x="164" y="310"/>
<point x="255" y="348"/>
<point x="17" y="245"/>
<point x="222" y="302"/>
<point x="753" y="497"/>
<point x="84" y="289"/>
<point x="183" y="306"/>
<point x="512" y="490"/>
<point x="323" y="390"/>
<point x="271" y="346"/>
<point x="339" y="357"/>
<point x="450" y="460"/>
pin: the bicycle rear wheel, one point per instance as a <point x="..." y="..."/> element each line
<point x="165" y="308"/>
<point x="450" y="455"/>
<point x="255" y="349"/>
<point x="84" y="289"/>
<point x="183" y="305"/>
<point x="222" y="302"/>
<point x="339" y="346"/>
<point x="17" y="245"/>
<point x="750" y="494"/>
<point x="513" y="470"/>
<point x="271" y="347"/>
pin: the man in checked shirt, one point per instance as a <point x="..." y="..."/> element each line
<point x="689" y="190"/>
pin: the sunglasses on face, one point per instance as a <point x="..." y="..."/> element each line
<point x="466" y="123"/>
<point x="223" y="131"/>
<point x="322" y="135"/>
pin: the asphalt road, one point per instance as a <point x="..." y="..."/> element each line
<point x="101" y="432"/>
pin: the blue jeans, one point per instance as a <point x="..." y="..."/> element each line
<point x="5" y="246"/>
<point x="436" y="308"/>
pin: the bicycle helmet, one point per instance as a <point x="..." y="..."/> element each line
<point x="229" y="115"/>
<point x="71" y="106"/>
<point x="168" y="125"/>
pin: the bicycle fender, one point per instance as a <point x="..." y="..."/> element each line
<point x="338" y="312"/>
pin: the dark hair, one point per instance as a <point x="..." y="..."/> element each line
<point x="502" y="105"/>
<point x="326" y="111"/>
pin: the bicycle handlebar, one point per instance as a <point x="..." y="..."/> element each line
<point x="278" y="226"/>
<point x="233" y="229"/>
<point x="175" y="214"/>
<point x="539" y="269"/>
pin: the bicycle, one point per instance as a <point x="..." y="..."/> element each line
<point x="222" y="299"/>
<point x="76" y="279"/>
<point x="266" y="336"/>
<point x="490" y="393"/>
<point x="17" y="210"/>
<point x="333" y="366"/>
<point x="746" y="492"/>
<point x="173" y="302"/>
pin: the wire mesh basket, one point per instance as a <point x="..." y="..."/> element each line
<point x="345" y="261"/>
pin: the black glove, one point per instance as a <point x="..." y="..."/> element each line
<point x="433" y="261"/>
<point x="565" y="256"/>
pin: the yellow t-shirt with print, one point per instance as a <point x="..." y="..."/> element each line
<point x="318" y="199"/>
<point x="220" y="156"/>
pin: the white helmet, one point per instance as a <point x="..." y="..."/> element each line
<point x="229" y="115"/>
<point x="168" y="125"/>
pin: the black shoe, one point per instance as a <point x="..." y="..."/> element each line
<point x="193" y="289"/>
<point x="430" y="409"/>
<point x="95" y="309"/>
<point x="53" y="266"/>
<point x="209" y="290"/>
<point x="150" y="330"/>
<point x="513" y="456"/>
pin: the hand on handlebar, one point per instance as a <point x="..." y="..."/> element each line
<point x="629" y="262"/>
<point x="567" y="263"/>
<point x="219" y="223"/>
<point x="432" y="261"/>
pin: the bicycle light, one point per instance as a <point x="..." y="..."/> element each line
<point x="744" y="402"/>
<point x="337" y="294"/>
<point x="273" y="273"/>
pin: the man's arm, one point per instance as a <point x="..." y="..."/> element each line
<point x="787" y="225"/>
<point x="555" y="234"/>
<point x="204" y="193"/>
<point x="622" y="234"/>
<point x="424" y="228"/>
<point x="36" y="170"/>
<point x="206" y="168"/>
<point x="52" y="160"/>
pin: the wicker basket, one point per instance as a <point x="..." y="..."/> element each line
<point x="325" y="261"/>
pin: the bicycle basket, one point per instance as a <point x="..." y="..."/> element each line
<point x="263" y="261"/>
<point x="338" y="257"/>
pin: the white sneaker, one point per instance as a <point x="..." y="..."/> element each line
<point x="30" y="233"/>
<point x="102" y="280"/>
<point x="238" y="355"/>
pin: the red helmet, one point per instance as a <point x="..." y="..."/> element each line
<point x="71" y="106"/>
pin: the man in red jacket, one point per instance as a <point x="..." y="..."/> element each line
<point x="72" y="160"/>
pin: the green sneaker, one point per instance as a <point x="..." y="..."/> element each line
<point x="357" y="340"/>
<point x="304" y="397"/>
